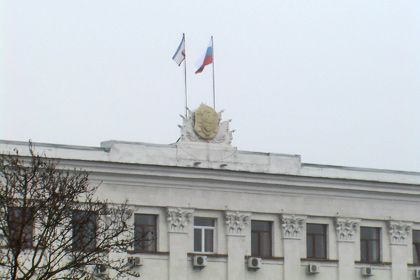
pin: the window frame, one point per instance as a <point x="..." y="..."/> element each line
<point x="368" y="258"/>
<point x="259" y="239"/>
<point x="415" y="245"/>
<point x="78" y="244"/>
<point x="313" y="238"/>
<point x="142" y="249"/>
<point x="203" y="236"/>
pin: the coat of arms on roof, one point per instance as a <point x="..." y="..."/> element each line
<point x="205" y="125"/>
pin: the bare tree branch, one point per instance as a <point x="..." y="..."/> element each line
<point x="54" y="226"/>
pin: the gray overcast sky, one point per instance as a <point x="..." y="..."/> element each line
<point x="335" y="81"/>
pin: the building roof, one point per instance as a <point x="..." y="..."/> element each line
<point x="208" y="156"/>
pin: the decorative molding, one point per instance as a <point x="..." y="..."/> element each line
<point x="399" y="232"/>
<point x="188" y="134"/>
<point x="178" y="219"/>
<point x="236" y="222"/>
<point x="346" y="229"/>
<point x="292" y="226"/>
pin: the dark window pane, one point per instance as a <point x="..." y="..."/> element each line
<point x="261" y="239"/>
<point x="143" y="219"/>
<point x="209" y="240"/>
<point x="315" y="229"/>
<point x="416" y="253"/>
<point x="364" y="232"/>
<point x="363" y="251"/>
<point x="310" y="253"/>
<point x="374" y="249"/>
<point x="147" y="240"/>
<point x="197" y="240"/>
<point x="145" y="234"/>
<point x="138" y="238"/>
<point x="84" y="230"/>
<point x="316" y="241"/>
<point x="265" y="244"/>
<point x="369" y="233"/>
<point x="320" y="251"/>
<point x="261" y="226"/>
<point x="370" y="244"/>
<point x="254" y="244"/>
<point x="416" y="246"/>
<point x="199" y="221"/>
<point x="416" y="236"/>
<point x="20" y="222"/>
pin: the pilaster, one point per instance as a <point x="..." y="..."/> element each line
<point x="236" y="227"/>
<point x="179" y="220"/>
<point x="398" y="236"/>
<point x="292" y="233"/>
<point x="346" y="229"/>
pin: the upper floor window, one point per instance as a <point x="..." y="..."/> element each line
<point x="416" y="246"/>
<point x="20" y="223"/>
<point x="145" y="234"/>
<point x="316" y="241"/>
<point x="261" y="239"/>
<point x="84" y="230"/>
<point x="370" y="248"/>
<point x="204" y="229"/>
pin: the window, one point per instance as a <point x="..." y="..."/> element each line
<point x="416" y="246"/>
<point x="370" y="244"/>
<point x="145" y="233"/>
<point x="204" y="235"/>
<point x="316" y="241"/>
<point x="84" y="230"/>
<point x="261" y="239"/>
<point x="20" y="224"/>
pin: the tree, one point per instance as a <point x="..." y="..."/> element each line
<point x="53" y="225"/>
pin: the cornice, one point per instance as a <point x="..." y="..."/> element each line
<point x="232" y="181"/>
<point x="138" y="153"/>
<point x="244" y="181"/>
<point x="135" y="168"/>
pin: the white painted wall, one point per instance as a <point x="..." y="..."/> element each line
<point x="262" y="186"/>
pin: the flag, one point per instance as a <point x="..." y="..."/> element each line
<point x="207" y="59"/>
<point x="179" y="55"/>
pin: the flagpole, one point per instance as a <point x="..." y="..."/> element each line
<point x="185" y="76"/>
<point x="214" y="83"/>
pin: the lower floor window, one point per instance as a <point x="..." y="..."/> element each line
<point x="416" y="246"/>
<point x="204" y="234"/>
<point x="261" y="239"/>
<point x="370" y="244"/>
<point x="316" y="241"/>
<point x="20" y="223"/>
<point x="145" y="234"/>
<point x="84" y="230"/>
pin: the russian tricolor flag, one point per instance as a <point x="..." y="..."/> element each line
<point x="207" y="59"/>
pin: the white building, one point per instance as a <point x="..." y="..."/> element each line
<point x="253" y="215"/>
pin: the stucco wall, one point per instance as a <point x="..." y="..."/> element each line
<point x="154" y="180"/>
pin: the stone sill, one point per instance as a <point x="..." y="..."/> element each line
<point x="374" y="263"/>
<point x="266" y="258"/>
<point x="318" y="260"/>
<point x="209" y="255"/>
<point x="147" y="253"/>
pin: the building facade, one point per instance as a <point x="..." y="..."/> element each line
<point x="211" y="211"/>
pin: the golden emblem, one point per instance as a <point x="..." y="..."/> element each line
<point x="206" y="122"/>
